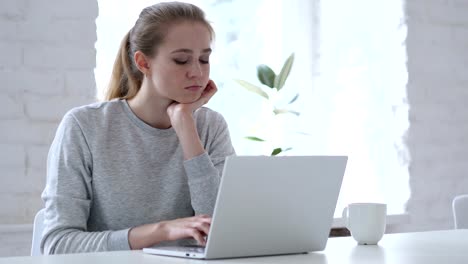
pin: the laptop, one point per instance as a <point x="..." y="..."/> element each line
<point x="270" y="206"/>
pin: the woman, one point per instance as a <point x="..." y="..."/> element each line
<point x="143" y="167"/>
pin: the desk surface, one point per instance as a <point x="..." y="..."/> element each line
<point x="450" y="246"/>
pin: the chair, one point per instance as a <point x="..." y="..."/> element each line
<point x="37" y="233"/>
<point x="460" y="211"/>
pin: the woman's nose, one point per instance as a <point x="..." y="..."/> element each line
<point x="195" y="70"/>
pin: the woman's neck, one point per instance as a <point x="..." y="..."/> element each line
<point x="150" y="108"/>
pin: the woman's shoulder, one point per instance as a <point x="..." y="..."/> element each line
<point x="205" y="114"/>
<point x="94" y="111"/>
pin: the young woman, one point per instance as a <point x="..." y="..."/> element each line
<point x="143" y="167"/>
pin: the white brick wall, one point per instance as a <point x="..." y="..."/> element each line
<point x="437" y="47"/>
<point x="47" y="60"/>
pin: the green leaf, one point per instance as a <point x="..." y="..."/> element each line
<point x="276" y="151"/>
<point x="255" y="139"/>
<point x="294" y="99"/>
<point x="252" y="88"/>
<point x="285" y="111"/>
<point x="266" y="75"/>
<point x="283" y="75"/>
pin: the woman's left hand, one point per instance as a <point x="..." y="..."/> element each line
<point x="178" y="111"/>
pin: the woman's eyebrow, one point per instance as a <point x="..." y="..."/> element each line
<point x="208" y="50"/>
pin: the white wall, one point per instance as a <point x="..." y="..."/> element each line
<point x="437" y="46"/>
<point x="47" y="58"/>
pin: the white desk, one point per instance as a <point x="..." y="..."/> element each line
<point x="446" y="247"/>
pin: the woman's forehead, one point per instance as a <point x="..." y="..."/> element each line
<point x="186" y="37"/>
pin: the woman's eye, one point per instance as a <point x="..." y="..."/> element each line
<point x="180" y="62"/>
<point x="205" y="61"/>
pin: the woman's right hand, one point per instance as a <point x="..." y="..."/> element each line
<point x="196" y="227"/>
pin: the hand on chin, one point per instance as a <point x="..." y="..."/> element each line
<point x="189" y="106"/>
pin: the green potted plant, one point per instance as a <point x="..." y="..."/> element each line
<point x="271" y="85"/>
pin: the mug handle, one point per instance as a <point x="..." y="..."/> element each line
<point x="345" y="218"/>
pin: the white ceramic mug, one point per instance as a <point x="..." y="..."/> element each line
<point x="366" y="221"/>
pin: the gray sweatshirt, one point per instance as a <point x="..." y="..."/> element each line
<point x="108" y="171"/>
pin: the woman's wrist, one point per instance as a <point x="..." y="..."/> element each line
<point x="146" y="235"/>
<point x="181" y="120"/>
<point x="186" y="130"/>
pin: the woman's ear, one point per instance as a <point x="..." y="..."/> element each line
<point x="142" y="62"/>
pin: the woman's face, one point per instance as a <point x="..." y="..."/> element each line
<point x="180" y="69"/>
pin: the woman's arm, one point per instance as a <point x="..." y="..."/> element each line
<point x="181" y="116"/>
<point x="68" y="195"/>
<point x="204" y="171"/>
<point x="203" y="166"/>
<point x="196" y="227"/>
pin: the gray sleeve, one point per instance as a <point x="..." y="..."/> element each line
<point x="204" y="171"/>
<point x="68" y="195"/>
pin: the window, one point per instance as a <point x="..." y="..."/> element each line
<point x="363" y="74"/>
<point x="349" y="72"/>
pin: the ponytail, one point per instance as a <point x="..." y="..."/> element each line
<point x="125" y="80"/>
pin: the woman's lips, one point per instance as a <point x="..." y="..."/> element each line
<point x="194" y="88"/>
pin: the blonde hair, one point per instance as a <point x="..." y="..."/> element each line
<point x="146" y="35"/>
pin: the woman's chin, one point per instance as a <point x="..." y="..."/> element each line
<point x="187" y="100"/>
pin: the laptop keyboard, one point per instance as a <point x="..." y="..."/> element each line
<point x="195" y="248"/>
